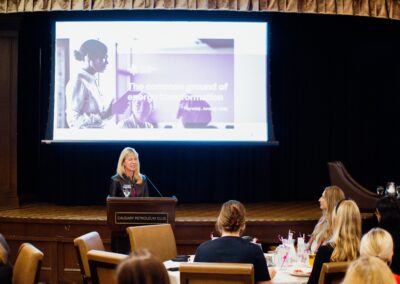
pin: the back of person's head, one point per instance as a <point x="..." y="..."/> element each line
<point x="369" y="270"/>
<point x="232" y="217"/>
<point x="141" y="267"/>
<point x="346" y="231"/>
<point x="4" y="251"/>
<point x="91" y="48"/>
<point x="389" y="213"/>
<point x="377" y="242"/>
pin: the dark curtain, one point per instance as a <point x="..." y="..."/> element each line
<point x="334" y="96"/>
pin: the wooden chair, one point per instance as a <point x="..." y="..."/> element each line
<point x="83" y="245"/>
<point x="216" y="273"/>
<point x="103" y="266"/>
<point x="27" y="265"/>
<point x="158" y="239"/>
<point x="333" y="272"/>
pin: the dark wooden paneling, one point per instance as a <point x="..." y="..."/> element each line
<point x="8" y="119"/>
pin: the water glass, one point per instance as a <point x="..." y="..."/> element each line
<point x="126" y="189"/>
<point x="380" y="190"/>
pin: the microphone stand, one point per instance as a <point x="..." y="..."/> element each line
<point x="152" y="184"/>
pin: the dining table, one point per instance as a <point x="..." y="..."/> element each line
<point x="287" y="275"/>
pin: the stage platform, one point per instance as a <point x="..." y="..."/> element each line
<point x="52" y="229"/>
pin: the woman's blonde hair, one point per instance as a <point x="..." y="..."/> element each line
<point x="120" y="167"/>
<point x="369" y="270"/>
<point x="3" y="255"/>
<point x="346" y="231"/>
<point x="141" y="267"/>
<point x="323" y="230"/>
<point x="232" y="217"/>
<point x="377" y="242"/>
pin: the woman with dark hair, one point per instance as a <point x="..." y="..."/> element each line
<point x="388" y="215"/>
<point x="85" y="107"/>
<point x="141" y="267"/>
<point x="5" y="264"/>
<point x="230" y="247"/>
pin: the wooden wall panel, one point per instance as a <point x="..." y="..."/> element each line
<point x="8" y="119"/>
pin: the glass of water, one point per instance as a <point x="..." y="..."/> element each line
<point x="126" y="190"/>
<point x="380" y="190"/>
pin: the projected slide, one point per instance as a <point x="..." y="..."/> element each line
<point x="160" y="81"/>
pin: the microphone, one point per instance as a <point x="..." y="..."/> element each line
<point x="152" y="184"/>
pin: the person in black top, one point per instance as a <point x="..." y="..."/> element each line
<point x="345" y="241"/>
<point x="5" y="264"/>
<point x="128" y="177"/>
<point x="388" y="215"/>
<point x="230" y="247"/>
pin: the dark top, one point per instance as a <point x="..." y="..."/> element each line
<point x="6" y="273"/>
<point x="5" y="268"/>
<point x="234" y="250"/>
<point x="324" y="254"/>
<point x="137" y="190"/>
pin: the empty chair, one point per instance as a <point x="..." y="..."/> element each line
<point x="83" y="245"/>
<point x="103" y="266"/>
<point x="333" y="272"/>
<point x="158" y="239"/>
<point x="28" y="264"/>
<point x="216" y="273"/>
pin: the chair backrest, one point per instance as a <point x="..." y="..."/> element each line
<point x="27" y="265"/>
<point x="216" y="273"/>
<point x="333" y="272"/>
<point x="103" y="266"/>
<point x="158" y="239"/>
<point x="83" y="245"/>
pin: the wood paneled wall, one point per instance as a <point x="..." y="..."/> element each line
<point x="8" y="118"/>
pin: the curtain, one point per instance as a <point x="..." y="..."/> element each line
<point x="373" y="8"/>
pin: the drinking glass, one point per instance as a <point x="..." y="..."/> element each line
<point x="380" y="190"/>
<point x="311" y="258"/>
<point x="126" y="189"/>
<point x="398" y="192"/>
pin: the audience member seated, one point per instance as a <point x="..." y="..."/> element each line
<point x="323" y="230"/>
<point x="379" y="243"/>
<point x="368" y="270"/>
<point x="5" y="265"/>
<point x="345" y="240"/>
<point x="230" y="247"/>
<point x="388" y="215"/>
<point x="141" y="267"/>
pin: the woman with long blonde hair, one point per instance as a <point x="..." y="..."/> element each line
<point x="323" y="230"/>
<point x="128" y="178"/>
<point x="368" y="270"/>
<point x="345" y="241"/>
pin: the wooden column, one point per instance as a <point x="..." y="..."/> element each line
<point x="8" y="118"/>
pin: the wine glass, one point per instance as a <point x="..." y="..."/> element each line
<point x="398" y="192"/>
<point x="126" y="190"/>
<point x="380" y="190"/>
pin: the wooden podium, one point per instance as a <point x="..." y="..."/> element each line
<point x="123" y="212"/>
